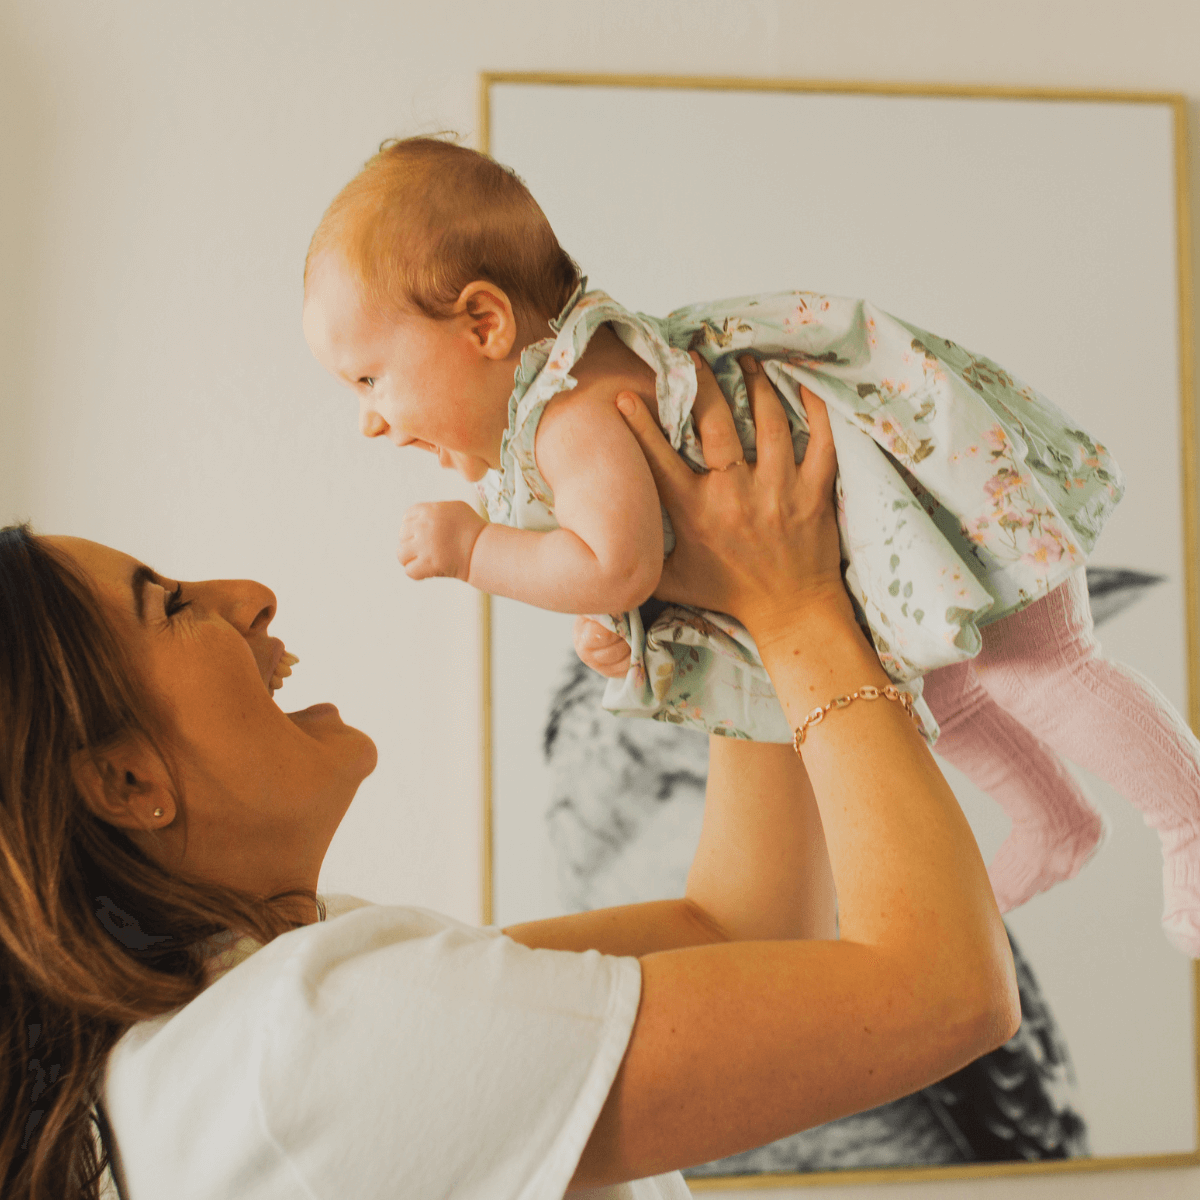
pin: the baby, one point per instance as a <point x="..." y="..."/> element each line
<point x="966" y="503"/>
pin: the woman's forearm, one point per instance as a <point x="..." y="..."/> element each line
<point x="785" y="1034"/>
<point x="559" y="571"/>
<point x="909" y="874"/>
<point x="739" y="1043"/>
<point x="761" y="870"/>
<point x="625" y="930"/>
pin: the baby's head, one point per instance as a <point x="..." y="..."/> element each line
<point x="429" y="273"/>
<point x="425" y="217"/>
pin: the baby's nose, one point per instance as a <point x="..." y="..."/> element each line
<point x="370" y="423"/>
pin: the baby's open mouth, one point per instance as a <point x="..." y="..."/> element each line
<point x="283" y="668"/>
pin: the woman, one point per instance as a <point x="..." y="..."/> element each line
<point x="154" y="796"/>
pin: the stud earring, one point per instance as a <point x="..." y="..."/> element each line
<point x="158" y="812"/>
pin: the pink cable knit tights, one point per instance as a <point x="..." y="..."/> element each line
<point x="1040" y="673"/>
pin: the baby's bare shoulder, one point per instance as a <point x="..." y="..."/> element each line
<point x="573" y="418"/>
<point x="583" y="424"/>
<point x="606" y="367"/>
<point x="607" y="358"/>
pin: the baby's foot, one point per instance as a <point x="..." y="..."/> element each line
<point x="1181" y="891"/>
<point x="1036" y="855"/>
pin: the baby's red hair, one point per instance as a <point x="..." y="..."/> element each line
<point x="425" y="217"/>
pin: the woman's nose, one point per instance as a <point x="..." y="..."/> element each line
<point x="248" y="606"/>
<point x="370" y="423"/>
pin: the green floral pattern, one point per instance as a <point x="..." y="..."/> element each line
<point x="962" y="493"/>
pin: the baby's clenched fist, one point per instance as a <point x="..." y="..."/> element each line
<point x="602" y="650"/>
<point x="437" y="539"/>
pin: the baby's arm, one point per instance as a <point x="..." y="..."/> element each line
<point x="607" y="554"/>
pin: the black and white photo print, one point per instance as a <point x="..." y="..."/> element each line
<point x="998" y="222"/>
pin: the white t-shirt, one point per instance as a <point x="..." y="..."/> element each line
<point x="387" y="1053"/>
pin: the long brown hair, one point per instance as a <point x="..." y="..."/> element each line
<point x="94" y="935"/>
<point x="425" y="217"/>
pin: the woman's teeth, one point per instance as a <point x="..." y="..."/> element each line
<point x="286" y="662"/>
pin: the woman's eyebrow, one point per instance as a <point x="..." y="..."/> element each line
<point x="141" y="576"/>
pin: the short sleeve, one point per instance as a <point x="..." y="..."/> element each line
<point x="405" y="1054"/>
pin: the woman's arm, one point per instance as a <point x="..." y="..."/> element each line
<point x="760" y="871"/>
<point x="761" y="868"/>
<point x="739" y="1043"/>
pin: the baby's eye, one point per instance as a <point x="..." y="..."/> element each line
<point x="367" y="381"/>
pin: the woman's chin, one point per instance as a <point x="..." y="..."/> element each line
<point x="314" y="712"/>
<point x="370" y="754"/>
<point x="322" y="721"/>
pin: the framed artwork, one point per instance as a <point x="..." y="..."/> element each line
<point x="1044" y="229"/>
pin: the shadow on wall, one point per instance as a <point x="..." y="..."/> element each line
<point x="624" y="821"/>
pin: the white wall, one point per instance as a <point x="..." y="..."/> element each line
<point x="162" y="168"/>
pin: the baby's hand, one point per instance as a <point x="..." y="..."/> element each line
<point x="600" y="648"/>
<point x="437" y="539"/>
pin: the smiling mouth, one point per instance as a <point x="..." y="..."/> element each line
<point x="282" y="669"/>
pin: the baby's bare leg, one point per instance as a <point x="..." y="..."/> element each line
<point x="1055" y="829"/>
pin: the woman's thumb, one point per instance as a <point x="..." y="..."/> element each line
<point x="670" y="472"/>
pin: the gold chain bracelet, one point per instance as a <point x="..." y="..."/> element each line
<point x="869" y="692"/>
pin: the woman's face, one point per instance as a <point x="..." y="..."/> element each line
<point x="262" y="791"/>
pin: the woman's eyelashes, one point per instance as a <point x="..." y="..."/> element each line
<point x="175" y="602"/>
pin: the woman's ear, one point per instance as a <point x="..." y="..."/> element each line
<point x="490" y="318"/>
<point x="126" y="785"/>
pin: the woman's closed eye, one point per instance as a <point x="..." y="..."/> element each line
<point x="175" y="602"/>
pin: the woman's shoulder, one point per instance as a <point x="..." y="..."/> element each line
<point x="356" y="931"/>
<point x="399" y="1018"/>
<point x="338" y="903"/>
<point x="415" y="920"/>
<point x="361" y="957"/>
<point x="247" y="981"/>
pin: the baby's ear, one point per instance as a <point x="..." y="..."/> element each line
<point x="491" y="318"/>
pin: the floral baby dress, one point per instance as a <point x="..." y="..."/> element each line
<point x="962" y="493"/>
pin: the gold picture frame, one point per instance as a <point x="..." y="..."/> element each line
<point x="1191" y="546"/>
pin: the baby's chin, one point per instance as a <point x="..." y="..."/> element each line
<point x="472" y="469"/>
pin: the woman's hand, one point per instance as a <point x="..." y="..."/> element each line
<point x="760" y="541"/>
<point x="604" y="651"/>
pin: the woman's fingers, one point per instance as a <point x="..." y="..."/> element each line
<point x="819" y="468"/>
<point x="672" y="476"/>
<point x="773" y="435"/>
<point x="747" y="540"/>
<point x="713" y="419"/>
